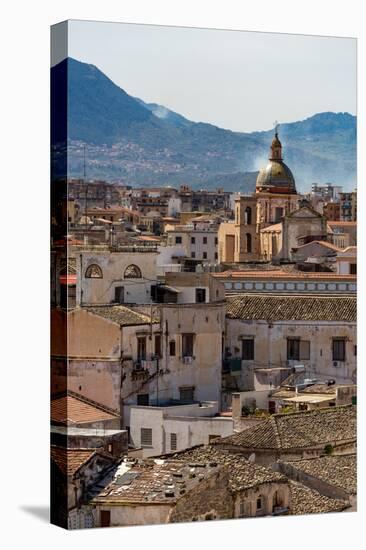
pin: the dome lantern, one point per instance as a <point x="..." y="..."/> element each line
<point x="276" y="148"/>
<point x="276" y="177"/>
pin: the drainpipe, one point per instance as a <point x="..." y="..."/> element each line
<point x="81" y="278"/>
<point x="121" y="382"/>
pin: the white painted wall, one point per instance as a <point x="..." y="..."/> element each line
<point x="192" y="425"/>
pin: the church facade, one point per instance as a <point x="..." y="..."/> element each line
<point x="266" y="225"/>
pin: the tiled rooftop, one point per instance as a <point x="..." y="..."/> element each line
<point x="272" y="307"/>
<point x="326" y="244"/>
<point x="122" y="315"/>
<point x="308" y="501"/>
<point x="74" y="409"/>
<point x="337" y="470"/>
<point x="242" y="473"/>
<point x="153" y="481"/>
<point x="70" y="460"/>
<point x="298" y="430"/>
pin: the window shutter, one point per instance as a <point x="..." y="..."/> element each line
<point x="146" y="437"/>
<point x="173" y="442"/>
<point x="304" y="349"/>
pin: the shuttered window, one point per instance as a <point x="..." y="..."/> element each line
<point x="339" y="349"/>
<point x="297" y="349"/>
<point x="146" y="437"/>
<point x="304" y="349"/>
<point x="186" y="394"/>
<point x="173" y="441"/>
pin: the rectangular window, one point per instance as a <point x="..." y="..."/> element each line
<point x="216" y="240"/>
<point x="200" y="295"/>
<point x="204" y="240"/>
<point x="193" y="254"/>
<point x="204" y="255"/>
<point x="173" y="442"/>
<point x="143" y="399"/>
<point x="146" y="437"/>
<point x="186" y="394"/>
<point x="193" y="240"/>
<point x="353" y="269"/>
<point x="247" y="348"/>
<point x="178" y="240"/>
<point x="293" y="349"/>
<point x="158" y="345"/>
<point x="172" y="348"/>
<point x="187" y="345"/>
<point x="216" y="256"/>
<point x="278" y="214"/>
<point x="141" y="348"/>
<point x="259" y="503"/>
<point x="339" y="349"/>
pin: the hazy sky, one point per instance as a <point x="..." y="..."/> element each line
<point x="239" y="80"/>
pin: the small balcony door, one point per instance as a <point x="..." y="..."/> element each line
<point x="119" y="294"/>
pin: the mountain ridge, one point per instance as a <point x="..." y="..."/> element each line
<point x="143" y="143"/>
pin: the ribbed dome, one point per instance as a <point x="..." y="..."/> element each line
<point x="276" y="177"/>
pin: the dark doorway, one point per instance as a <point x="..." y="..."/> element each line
<point x="119" y="294"/>
<point x="105" y="518"/>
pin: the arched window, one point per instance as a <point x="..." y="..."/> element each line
<point x="132" y="272"/>
<point x="248" y="216"/>
<point x="248" y="239"/>
<point x="93" y="272"/>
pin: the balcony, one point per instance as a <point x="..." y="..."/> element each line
<point x="142" y="369"/>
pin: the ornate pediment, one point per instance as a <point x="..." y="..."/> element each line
<point x="305" y="212"/>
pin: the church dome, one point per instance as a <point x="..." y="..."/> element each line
<point x="276" y="177"/>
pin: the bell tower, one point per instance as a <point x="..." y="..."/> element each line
<point x="246" y="238"/>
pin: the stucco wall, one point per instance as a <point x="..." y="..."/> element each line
<point x="92" y="336"/>
<point x="270" y="347"/>
<point x="97" y="380"/>
<point x="134" y="514"/>
<point x="113" y="265"/>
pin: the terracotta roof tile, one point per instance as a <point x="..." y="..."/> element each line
<point x="308" y="501"/>
<point x="70" y="460"/>
<point x="153" y="481"/>
<point x="74" y="409"/>
<point x="242" y="473"/>
<point x="271" y="307"/>
<point x="337" y="470"/>
<point x="298" y="430"/>
<point x="122" y="315"/>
